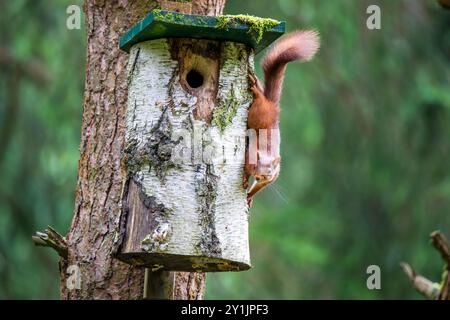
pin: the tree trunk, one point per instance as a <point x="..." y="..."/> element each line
<point x="91" y="272"/>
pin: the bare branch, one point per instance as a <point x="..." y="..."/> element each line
<point x="441" y="244"/>
<point x="51" y="238"/>
<point x="427" y="288"/>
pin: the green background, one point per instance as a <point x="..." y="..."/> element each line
<point x="365" y="146"/>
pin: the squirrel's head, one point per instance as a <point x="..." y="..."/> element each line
<point x="268" y="169"/>
<point x="268" y="155"/>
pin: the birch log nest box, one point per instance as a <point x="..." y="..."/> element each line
<point x="184" y="207"/>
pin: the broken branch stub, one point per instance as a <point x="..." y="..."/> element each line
<point x="52" y="239"/>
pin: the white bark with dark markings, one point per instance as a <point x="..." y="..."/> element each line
<point x="185" y="152"/>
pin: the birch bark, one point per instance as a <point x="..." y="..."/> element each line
<point x="184" y="205"/>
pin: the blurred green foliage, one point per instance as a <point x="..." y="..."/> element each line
<point x="365" y="147"/>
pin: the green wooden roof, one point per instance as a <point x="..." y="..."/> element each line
<point x="255" y="32"/>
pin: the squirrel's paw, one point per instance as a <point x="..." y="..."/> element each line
<point x="249" y="201"/>
<point x="245" y="182"/>
<point x="252" y="79"/>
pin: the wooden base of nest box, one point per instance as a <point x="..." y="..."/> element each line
<point x="174" y="262"/>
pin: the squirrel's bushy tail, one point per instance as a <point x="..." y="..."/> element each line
<point x="297" y="45"/>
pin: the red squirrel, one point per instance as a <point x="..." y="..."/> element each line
<point x="263" y="153"/>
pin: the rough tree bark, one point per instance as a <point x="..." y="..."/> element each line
<point x="90" y="239"/>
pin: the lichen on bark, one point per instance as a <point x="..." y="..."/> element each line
<point x="156" y="153"/>
<point x="236" y="58"/>
<point x="157" y="240"/>
<point x="225" y="111"/>
<point x="158" y="149"/>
